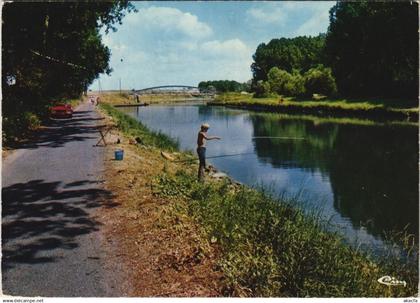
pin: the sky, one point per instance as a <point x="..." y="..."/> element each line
<point x="183" y="43"/>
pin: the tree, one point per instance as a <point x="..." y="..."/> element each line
<point x="223" y="85"/>
<point x="320" y="80"/>
<point x="299" y="53"/>
<point x="372" y="48"/>
<point x="53" y="50"/>
<point x="262" y="89"/>
<point x="284" y="83"/>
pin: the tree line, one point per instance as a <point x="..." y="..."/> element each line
<point x="370" y="50"/>
<point x="54" y="51"/>
<point x="223" y="86"/>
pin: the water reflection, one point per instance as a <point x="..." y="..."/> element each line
<point x="364" y="177"/>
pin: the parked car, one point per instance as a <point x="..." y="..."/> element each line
<point x="61" y="111"/>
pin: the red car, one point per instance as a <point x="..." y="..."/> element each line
<point x="62" y="111"/>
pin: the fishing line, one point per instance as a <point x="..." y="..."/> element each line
<point x="213" y="157"/>
<point x="282" y="138"/>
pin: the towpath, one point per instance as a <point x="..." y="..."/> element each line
<point x="51" y="191"/>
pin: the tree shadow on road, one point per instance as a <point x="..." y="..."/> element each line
<point x="40" y="216"/>
<point x="61" y="131"/>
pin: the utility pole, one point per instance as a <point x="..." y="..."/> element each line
<point x="99" y="86"/>
<point x="120" y="86"/>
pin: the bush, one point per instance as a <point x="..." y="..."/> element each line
<point x="30" y="121"/>
<point x="17" y="126"/>
<point x="320" y="80"/>
<point x="262" y="89"/>
<point x="284" y="83"/>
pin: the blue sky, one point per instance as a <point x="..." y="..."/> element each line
<point x="188" y="42"/>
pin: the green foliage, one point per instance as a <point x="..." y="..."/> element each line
<point x="53" y="51"/>
<point x="319" y="80"/>
<point x="373" y="49"/>
<point x="283" y="83"/>
<point x="19" y="125"/>
<point x="262" y="89"/>
<point x="271" y="248"/>
<point x="134" y="129"/>
<point x="224" y="86"/>
<point x="287" y="54"/>
<point x="31" y="121"/>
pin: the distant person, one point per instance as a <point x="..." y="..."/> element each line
<point x="97" y="101"/>
<point x="201" y="149"/>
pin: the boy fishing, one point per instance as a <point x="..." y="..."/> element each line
<point x="201" y="149"/>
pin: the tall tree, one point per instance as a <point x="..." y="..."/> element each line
<point x="372" y="48"/>
<point x="53" y="50"/>
<point x="299" y="53"/>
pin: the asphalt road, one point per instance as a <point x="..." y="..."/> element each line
<point x="51" y="188"/>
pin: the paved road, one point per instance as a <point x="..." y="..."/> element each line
<point x="50" y="191"/>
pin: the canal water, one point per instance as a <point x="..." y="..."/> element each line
<point x="361" y="175"/>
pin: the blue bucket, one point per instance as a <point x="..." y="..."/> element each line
<point x="119" y="154"/>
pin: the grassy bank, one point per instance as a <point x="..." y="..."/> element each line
<point x="115" y="98"/>
<point x="134" y="129"/>
<point x="268" y="247"/>
<point x="375" y="108"/>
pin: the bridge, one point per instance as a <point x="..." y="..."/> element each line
<point x="170" y="89"/>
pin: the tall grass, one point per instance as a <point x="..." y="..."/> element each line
<point x="135" y="129"/>
<point x="271" y="248"/>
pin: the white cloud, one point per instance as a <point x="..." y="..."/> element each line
<point x="281" y="13"/>
<point x="268" y="15"/>
<point x="230" y="48"/>
<point x="169" y="20"/>
<point x="315" y="25"/>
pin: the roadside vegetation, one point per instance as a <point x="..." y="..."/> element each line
<point x="268" y="246"/>
<point x="54" y="52"/>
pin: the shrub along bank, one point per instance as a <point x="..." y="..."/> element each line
<point x="269" y="247"/>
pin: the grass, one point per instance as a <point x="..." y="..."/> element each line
<point x="316" y="120"/>
<point x="397" y="108"/>
<point x="125" y="98"/>
<point x="134" y="129"/>
<point x="269" y="247"/>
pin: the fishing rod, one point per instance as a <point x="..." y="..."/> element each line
<point x="213" y="157"/>
<point x="283" y="138"/>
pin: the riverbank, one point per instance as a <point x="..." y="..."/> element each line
<point x="258" y="246"/>
<point x="388" y="109"/>
<point x="125" y="99"/>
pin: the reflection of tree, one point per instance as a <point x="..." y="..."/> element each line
<point x="311" y="153"/>
<point x="374" y="177"/>
<point x="373" y="170"/>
